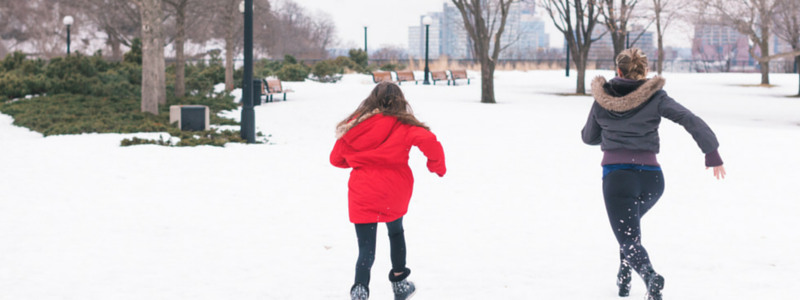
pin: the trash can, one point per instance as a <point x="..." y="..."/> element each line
<point x="256" y="92"/>
<point x="190" y="117"/>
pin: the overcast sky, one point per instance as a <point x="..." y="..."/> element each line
<point x="388" y="21"/>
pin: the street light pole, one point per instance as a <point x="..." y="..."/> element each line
<point x="248" y="129"/>
<point x="365" y="42"/>
<point x="68" y="21"/>
<point x="68" y="39"/>
<point x="427" y="22"/>
<point x="627" y="40"/>
<point x="567" y="59"/>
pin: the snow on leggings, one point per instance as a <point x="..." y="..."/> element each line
<point x="629" y="194"/>
<point x="367" y="234"/>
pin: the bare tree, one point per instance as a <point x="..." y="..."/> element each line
<point x="12" y="24"/>
<point x="616" y="16"/>
<point x="180" y="7"/>
<point x="665" y="12"/>
<point x="485" y="21"/>
<point x="291" y="30"/>
<point x="154" y="91"/>
<point x="755" y="19"/>
<point x="120" y="20"/>
<point x="187" y="14"/>
<point x="228" y="26"/>
<point x="36" y="25"/>
<point x="390" y="53"/>
<point x="576" y="19"/>
<point x="787" y="26"/>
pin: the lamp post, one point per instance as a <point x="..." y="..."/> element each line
<point x="427" y="22"/>
<point x="567" y="59"/>
<point x="627" y="40"/>
<point x="365" y="42"/>
<point x="68" y="21"/>
<point x="248" y="129"/>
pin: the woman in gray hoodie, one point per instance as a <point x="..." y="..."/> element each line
<point x="624" y="121"/>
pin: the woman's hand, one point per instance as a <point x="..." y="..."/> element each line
<point x="719" y="171"/>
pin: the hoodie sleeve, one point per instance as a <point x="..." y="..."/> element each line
<point x="427" y="143"/>
<point x="591" y="131"/>
<point x="337" y="160"/>
<point x="701" y="133"/>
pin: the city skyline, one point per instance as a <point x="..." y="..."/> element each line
<point x="524" y="32"/>
<point x="391" y="29"/>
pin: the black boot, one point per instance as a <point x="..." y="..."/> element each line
<point x="624" y="279"/>
<point x="654" y="282"/>
<point x="403" y="289"/>
<point x="359" y="292"/>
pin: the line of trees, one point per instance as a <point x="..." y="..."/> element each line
<point x="280" y="27"/>
<point x="759" y="20"/>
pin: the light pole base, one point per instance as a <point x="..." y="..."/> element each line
<point x="248" y="129"/>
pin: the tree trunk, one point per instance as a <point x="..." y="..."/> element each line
<point x="116" y="52"/>
<point x="660" y="33"/>
<point x="229" y="54"/>
<point x="765" y="73"/>
<point x="764" y="45"/>
<point x="487" y="81"/>
<point x="797" y="67"/>
<point x="660" y="65"/>
<point x="580" y="57"/>
<point x="618" y="40"/>
<point x="581" y="86"/>
<point x="180" y="63"/>
<point x="154" y="91"/>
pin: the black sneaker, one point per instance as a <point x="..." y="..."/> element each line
<point x="359" y="292"/>
<point x="655" y="283"/>
<point x="403" y="289"/>
<point x="624" y="280"/>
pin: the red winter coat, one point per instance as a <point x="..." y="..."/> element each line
<point x="377" y="149"/>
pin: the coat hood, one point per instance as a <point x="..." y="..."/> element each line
<point x="629" y="101"/>
<point x="368" y="131"/>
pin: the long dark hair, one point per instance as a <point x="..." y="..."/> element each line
<point x="387" y="98"/>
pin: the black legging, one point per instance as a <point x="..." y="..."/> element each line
<point x="629" y="194"/>
<point x="367" y="233"/>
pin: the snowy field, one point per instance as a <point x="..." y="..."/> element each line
<point x="519" y="214"/>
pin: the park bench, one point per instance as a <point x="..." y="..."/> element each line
<point x="272" y="87"/>
<point x="381" y="76"/>
<point x="403" y="76"/>
<point x="459" y="74"/>
<point x="439" y="75"/>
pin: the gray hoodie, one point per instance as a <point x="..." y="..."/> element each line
<point x="625" y="117"/>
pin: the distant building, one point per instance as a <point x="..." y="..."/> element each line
<point x="525" y="32"/>
<point x="416" y="37"/>
<point x="415" y="41"/>
<point x="779" y="46"/>
<point x="456" y="42"/>
<point x="721" y="43"/>
<point x="448" y="37"/>
<point x="603" y="49"/>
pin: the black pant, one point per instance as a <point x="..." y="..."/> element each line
<point x="629" y="194"/>
<point x="367" y="233"/>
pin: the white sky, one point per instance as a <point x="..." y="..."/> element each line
<point x="388" y="21"/>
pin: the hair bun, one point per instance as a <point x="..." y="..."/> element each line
<point x="633" y="64"/>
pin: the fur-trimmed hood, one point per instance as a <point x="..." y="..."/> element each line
<point x="629" y="101"/>
<point x="341" y="130"/>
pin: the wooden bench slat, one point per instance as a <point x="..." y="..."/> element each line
<point x="271" y="87"/>
<point x="381" y="76"/>
<point x="459" y="74"/>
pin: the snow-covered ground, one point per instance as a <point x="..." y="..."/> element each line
<point x="519" y="214"/>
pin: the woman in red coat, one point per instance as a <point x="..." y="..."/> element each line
<point x="375" y="141"/>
